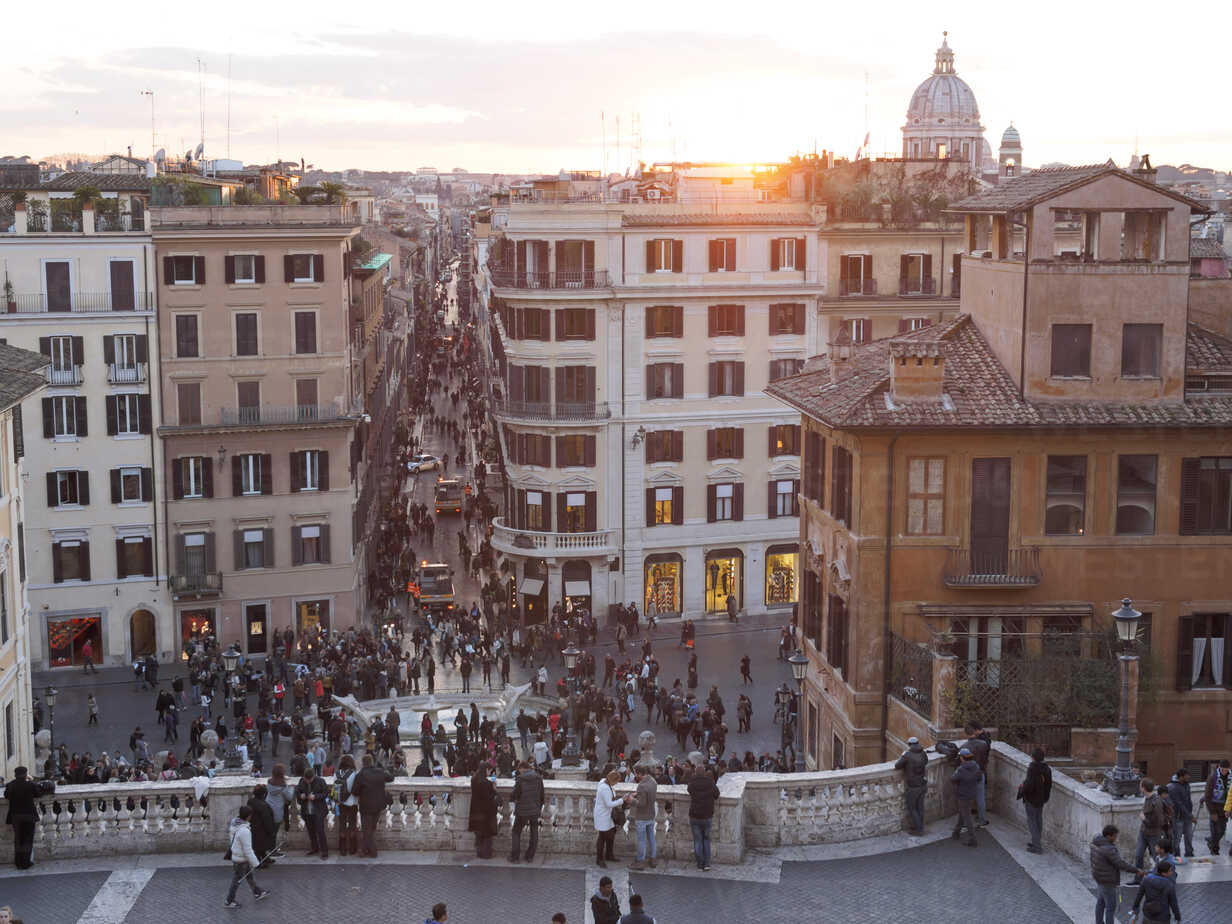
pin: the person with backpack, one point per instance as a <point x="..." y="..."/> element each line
<point x="1157" y="897"/>
<point x="1034" y="792"/>
<point x="914" y="764"/>
<point x="1181" y="801"/>
<point x="348" y="806"/>
<point x="1218" y="789"/>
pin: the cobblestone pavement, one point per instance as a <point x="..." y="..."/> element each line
<point x="63" y="897"/>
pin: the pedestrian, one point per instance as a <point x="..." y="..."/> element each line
<point x="87" y="658"/>
<point x="264" y="829"/>
<point x="1106" y="868"/>
<point x="20" y="794"/>
<point x="1034" y="792"/>
<point x="92" y="705"/>
<point x="312" y="795"/>
<point x="606" y="801"/>
<point x="243" y="858"/>
<point x="482" y="820"/>
<point x="369" y="788"/>
<point x="558" y="918"/>
<point x="745" y="675"/>
<point x="1157" y="897"/>
<point x="1181" y="800"/>
<point x="440" y="914"/>
<point x="914" y="764"/>
<point x="527" y="801"/>
<point x="280" y="795"/>
<point x="703" y="793"/>
<point x="348" y="806"/>
<point x="605" y="903"/>
<point x="965" y="779"/>
<point x="1218" y="789"/>
<point x="1152" y="828"/>
<point x="644" y="802"/>
<point x="637" y="912"/>
<point x="733" y="608"/>
<point x="979" y="742"/>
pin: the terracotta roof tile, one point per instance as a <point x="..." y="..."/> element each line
<point x="1021" y="192"/>
<point x="1207" y="351"/>
<point x="1206" y="248"/>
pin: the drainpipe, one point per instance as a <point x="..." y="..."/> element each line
<point x="623" y="434"/>
<point x="1026" y="265"/>
<point x="886" y="662"/>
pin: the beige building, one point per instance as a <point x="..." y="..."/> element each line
<point x="260" y="412"/>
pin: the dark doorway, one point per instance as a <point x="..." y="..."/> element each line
<point x="123" y="293"/>
<point x="990" y="515"/>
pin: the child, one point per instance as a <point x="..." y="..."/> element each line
<point x="1163" y="852"/>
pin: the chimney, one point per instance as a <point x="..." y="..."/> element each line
<point x="1144" y="170"/>
<point x="840" y="355"/>
<point x="917" y="370"/>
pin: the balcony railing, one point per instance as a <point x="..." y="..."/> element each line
<point x="274" y="415"/>
<point x="562" y="279"/>
<point x="992" y="567"/>
<point x="560" y="410"/>
<point x="925" y="286"/>
<point x="507" y="539"/>
<point x="126" y="375"/>
<point x="69" y="376"/>
<point x="200" y="583"/>
<point x="41" y="302"/>
<point x="857" y="287"/>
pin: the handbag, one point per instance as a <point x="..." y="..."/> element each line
<point x="618" y="816"/>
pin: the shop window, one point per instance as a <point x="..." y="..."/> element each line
<point x="575" y="575"/>
<point x="311" y="616"/>
<point x="724" y="578"/>
<point x="781" y="564"/>
<point x="195" y="626"/>
<point x="662" y="583"/>
<point x="68" y="635"/>
<point x="255" y="620"/>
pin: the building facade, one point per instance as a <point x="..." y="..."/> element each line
<point x="258" y="420"/>
<point x="943" y="118"/>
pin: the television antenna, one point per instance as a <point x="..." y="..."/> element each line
<point x="150" y="94"/>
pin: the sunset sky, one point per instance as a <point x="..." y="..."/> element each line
<point x="518" y="88"/>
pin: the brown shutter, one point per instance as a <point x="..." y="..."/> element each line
<point x="677" y="454"/>
<point x="588" y="382"/>
<point x="517" y="388"/>
<point x="318" y="267"/>
<point x="738" y="501"/>
<point x="297" y="546"/>
<point x="168" y="271"/>
<point x="650" y="506"/>
<point x="267" y="540"/>
<point x="84" y="552"/>
<point x="739" y="442"/>
<point x="904" y="325"/>
<point x="1191" y="478"/>
<point x="588" y="262"/>
<point x="870" y="284"/>
<point x="677" y="256"/>
<point x="228" y="269"/>
<point x="116" y="495"/>
<point x="712" y="320"/>
<point x="53" y="495"/>
<point x="57" y="570"/>
<point x="802" y="253"/>
<point x="143" y="348"/>
<point x="259" y="268"/>
<point x="714" y="255"/>
<point x="80" y="408"/>
<point x="928" y="272"/>
<point x="588" y="443"/>
<point x="145" y="422"/>
<point x="592" y="498"/>
<point x="739" y="378"/>
<point x="795" y="497"/>
<point x="108" y="348"/>
<point x="147" y="484"/>
<point x="297" y="481"/>
<point x="179" y="554"/>
<point x="177" y="478"/>
<point x="711" y="502"/>
<point x="83" y="488"/>
<point x="650" y="381"/>
<point x="677" y="316"/>
<point x="119" y="547"/>
<point x="1184" y="651"/>
<point x="650" y="257"/>
<point x="560" y="323"/>
<point x="267" y="473"/>
<point x="771" y="499"/>
<point x="237" y="538"/>
<point x="797" y="319"/>
<point x="771" y="442"/>
<point x="649" y="318"/>
<point x="712" y="441"/>
<point x="589" y="315"/>
<point x="731" y="253"/>
<point x="843" y="278"/>
<point x="714" y="379"/>
<point x="903" y="263"/>
<point x="288" y="268"/>
<point x="774" y="253"/>
<point x="113" y="426"/>
<point x="237" y="477"/>
<point x="544" y="383"/>
<point x="49" y="420"/>
<point x="677" y="506"/>
<point x="739" y="320"/>
<point x="207" y="481"/>
<point x="199" y="270"/>
<point x="547" y="513"/>
<point x="324" y="543"/>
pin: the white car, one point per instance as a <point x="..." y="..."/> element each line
<point x="423" y="462"/>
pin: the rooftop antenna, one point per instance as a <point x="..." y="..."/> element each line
<point x="150" y="94"/>
<point x="228" y="107"/>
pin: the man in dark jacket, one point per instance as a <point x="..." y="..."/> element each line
<point x="1035" y="792"/>
<point x="264" y="828"/>
<point x="527" y="804"/>
<point x="1216" y="793"/>
<point x="19" y="794"/>
<point x="1153" y="817"/>
<point x="1182" y="811"/>
<point x="1158" y="896"/>
<point x="605" y="904"/>
<point x="369" y="787"/>
<point x="966" y="780"/>
<point x="980" y="744"/>
<point x="703" y="794"/>
<point x="1106" y="868"/>
<point x="637" y="912"/>
<point x="311" y="794"/>
<point x="914" y="764"/>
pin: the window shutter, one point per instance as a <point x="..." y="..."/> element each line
<point x="739" y="320"/>
<point x="297" y="545"/>
<point x="237" y="477"/>
<point x="904" y="325"/>
<point x="772" y="489"/>
<point x="1191" y="476"/>
<point x="677" y="380"/>
<point x="288" y="268"/>
<point x="650" y="506"/>
<point x="147" y="484"/>
<point x="177" y="479"/>
<point x="588" y="378"/>
<point x="588" y="261"/>
<point x="739" y="378"/>
<point x="228" y="269"/>
<point x="49" y="419"/>
<point x="677" y="256"/>
<point x="1184" y="652"/>
<point x="730" y="244"/>
<point x="928" y="270"/>
<point x="323" y="469"/>
<point x="711" y="502"/>
<point x="53" y="495"/>
<point x="238" y="541"/>
<point x="199" y="270"/>
<point x="797" y="319"/>
<point x="120" y="570"/>
<point x="259" y="268"/>
<point x="713" y="253"/>
<point x="57" y="570"/>
<point x="113" y="426"/>
<point x="589" y="314"/>
<point x="147" y="556"/>
<point x="677" y="446"/>
<point x="108" y="348"/>
<point x="560" y="323"/>
<point x="843" y="278"/>
<point x="143" y="348"/>
<point x="297" y="480"/>
<point x="324" y="543"/>
<point x="677" y="316"/>
<point x="650" y="325"/>
<point x="116" y="495"/>
<point x="82" y="429"/>
<point x="560" y="450"/>
<point x="318" y="267"/>
<point x="714" y="379"/>
<point x="650" y="257"/>
<point x="79" y="350"/>
<point x="795" y="497"/>
<point x="207" y="482"/>
<point x="145" y="424"/>
<point x="179" y="554"/>
<point x="772" y="448"/>
<point x="802" y="253"/>
<point x="739" y="442"/>
<point x="560" y="386"/>
<point x="517" y="388"/>
<point x="712" y="320"/>
<point x="267" y="473"/>
<point x="774" y="253"/>
<point x="903" y="262"/>
<point x="869" y="282"/>
<point x="712" y="444"/>
<point x="561" y="519"/>
<point x="592" y="499"/>
<point x="677" y="505"/>
<point x="83" y="488"/>
<point x="589" y="444"/>
<point x="738" y="501"/>
<point x="84" y="552"/>
<point x="267" y="553"/>
<point x="168" y="271"/>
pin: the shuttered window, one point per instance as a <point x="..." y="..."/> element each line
<point x="575" y="450"/>
<point x="246" y="333"/>
<point x="837" y="636"/>
<point x="575" y="324"/>
<point x="1071" y="350"/>
<point x="725" y="443"/>
<point x="840" y="486"/>
<point x="726" y="379"/>
<point x="786" y="319"/>
<point x="186" y="342"/>
<point x="782" y="368"/>
<point x="783" y="498"/>
<point x="664" y="506"/>
<point x="664" y="255"/>
<point x="722" y="255"/>
<point x="664" y="321"/>
<point x="925" y="496"/>
<point x="665" y="380"/>
<point x="1206" y="496"/>
<point x="814" y="467"/>
<point x="664" y="446"/>
<point x="784" y="440"/>
<point x="726" y="321"/>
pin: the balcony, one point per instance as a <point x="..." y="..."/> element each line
<point x="916" y="288"/>
<point x="78" y="302"/>
<point x="851" y="287"/>
<point x="70" y="376"/>
<point x="992" y="567"/>
<point x="567" y="279"/>
<point x="561" y="411"/>
<point x="269" y="415"/>
<point x="126" y="375"/>
<point x="511" y="541"/>
<point x="199" y="584"/>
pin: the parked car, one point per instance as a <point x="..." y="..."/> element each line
<point x="423" y="462"/>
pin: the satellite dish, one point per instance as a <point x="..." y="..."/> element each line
<point x="200" y="148"/>
<point x="160" y="156"/>
<point x="188" y="155"/>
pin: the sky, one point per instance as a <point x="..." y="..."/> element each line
<point x="548" y="85"/>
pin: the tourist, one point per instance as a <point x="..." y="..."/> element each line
<point x="558" y="918"/>
<point x="605" y="825"/>
<point x="264" y="828"/>
<point x="644" y="803"/>
<point x="440" y="914"/>
<point x="966" y="781"/>
<point x="605" y="903"/>
<point x="527" y="801"/>
<point x="1153" y="817"/>
<point x="1218" y="789"/>
<point x="92" y="706"/>
<point x="914" y="764"/>
<point x="369" y="789"/>
<point x="637" y="913"/>
<point x="87" y="657"/>
<point x="312" y="795"/>
<point x="348" y="806"/>
<point x="1034" y="793"/>
<point x="980" y="744"/>
<point x="1106" y="868"/>
<point x="279" y="794"/>
<point x="20" y="794"/>
<point x="243" y="858"/>
<point x="745" y="675"/>
<point x="1181" y="800"/>
<point x="482" y="821"/>
<point x="703" y="793"/>
<point x="1157" y="897"/>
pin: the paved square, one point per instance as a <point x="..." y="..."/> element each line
<point x="59" y="898"/>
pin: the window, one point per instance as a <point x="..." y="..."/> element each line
<point x="664" y="321"/>
<point x="310" y="470"/>
<point x="305" y="332"/>
<point x="839" y="761"/>
<point x="724" y="502"/>
<point x="68" y="489"/>
<point x="723" y="255"/>
<point x="531" y="449"/>
<point x="782" y="368"/>
<point x="856" y="275"/>
<point x="192" y="477"/>
<point x="58" y="279"/>
<point x="1065" y="503"/>
<point x="784" y="440"/>
<point x="186" y="346"/>
<point x="1203" y="657"/>
<point x="665" y="380"/>
<point x="860" y="329"/>
<point x="726" y="379"/>
<point x="664" y="256"/>
<point x="836" y="637"/>
<point x="134" y="557"/>
<point x="575" y="324"/>
<point x="306" y="399"/>
<point x="70" y="561"/>
<point x="1206" y="496"/>
<point x="725" y="443"/>
<point x="576" y="511"/>
<point x="248" y="399"/>
<point x="575" y="450"/>
<point x="783" y="498"/>
<point x="840" y="486"/>
<point x="310" y="545"/>
<point x="66" y="355"/>
<point x="184" y="270"/>
<point x="1136" y="495"/>
<point x="925" y="497"/>
<point x="130" y="485"/>
<point x="304" y="267"/>
<point x="64" y="417"/>
<point x="781" y="564"/>
<point x="786" y="319"/>
<point x="1071" y="350"/>
<point x="787" y="253"/>
<point x="124" y="354"/>
<point x="915" y="274"/>
<point x="664" y="505"/>
<point x="128" y="415"/>
<point x="251" y="549"/>
<point x="246" y="333"/>
<point x="250" y="474"/>
<point x="726" y="321"/>
<point x="1140" y="348"/>
<point x="575" y="385"/>
<point x="188" y="399"/>
<point x="664" y="446"/>
<point x="536" y="512"/>
<point x="814" y="467"/>
<point x="532" y="323"/>
<point x="244" y="268"/>
<point x="4" y="633"/>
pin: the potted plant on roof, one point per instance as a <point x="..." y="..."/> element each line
<point x="10" y="299"/>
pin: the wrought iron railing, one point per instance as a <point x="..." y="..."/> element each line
<point x="925" y="286"/>
<point x="857" y="287"/>
<point x="992" y="566"/>
<point x="561" y="279"/>
<point x="204" y="582"/>
<point x="275" y="415"/>
<point x="76" y="302"/>
<point x="126" y="375"/>
<point x="560" y="410"/>
<point x="911" y="674"/>
<point x="69" y="376"/>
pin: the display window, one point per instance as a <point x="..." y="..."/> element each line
<point x="195" y="626"/>
<point x="662" y="584"/>
<point x="67" y="635"/>
<point x="724" y="578"/>
<point x="311" y="615"/>
<point x="781" y="564"/>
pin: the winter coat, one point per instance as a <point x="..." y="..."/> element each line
<point x="966" y="779"/>
<point x="528" y="794"/>
<point x="1181" y="798"/>
<point x="914" y="764"/>
<point x="1107" y="863"/>
<point x="279" y="797"/>
<point x="482" y="818"/>
<point x="1214" y="800"/>
<point x="264" y="829"/>
<point x="369" y="786"/>
<point x="1158" y="893"/>
<point x="1037" y="787"/>
<point x="644" y="799"/>
<point x="1153" y="815"/>
<point x="240" y="835"/>
<point x="605" y="800"/>
<point x="703" y="793"/>
<point x="605" y="910"/>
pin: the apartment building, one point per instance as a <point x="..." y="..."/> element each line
<point x="79" y="290"/>
<point x="1006" y="477"/>
<point x="21" y="376"/>
<point x="258" y="420"/>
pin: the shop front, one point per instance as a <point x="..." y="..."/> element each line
<point x="142" y="634"/>
<point x="781" y="564"/>
<point x="724" y="578"/>
<point x="533" y="591"/>
<point x="256" y="627"/>
<point x="662" y="586"/>
<point x="196" y="625"/>
<point x="311" y="616"/>
<point x="576" y="576"/>
<point x="67" y="635"/>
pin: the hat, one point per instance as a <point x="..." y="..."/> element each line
<point x="913" y="740"/>
<point x="964" y="752"/>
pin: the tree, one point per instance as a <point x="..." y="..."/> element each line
<point x="305" y="194"/>
<point x="333" y="192"/>
<point x="86" y="194"/>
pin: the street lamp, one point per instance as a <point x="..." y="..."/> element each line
<point x="571" y="757"/>
<point x="1122" y="780"/>
<point x="799" y="665"/>
<point x="49" y="697"/>
<point x="231" y="759"/>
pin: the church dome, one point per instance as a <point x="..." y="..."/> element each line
<point x="1010" y="138"/>
<point x="944" y="98"/>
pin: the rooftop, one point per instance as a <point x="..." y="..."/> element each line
<point x="375" y="261"/>
<point x="20" y="374"/>
<point x="658" y="216"/>
<point x="1020" y="193"/>
<point x="217" y="217"/>
<point x="104" y="182"/>
<point x="1206" y="248"/>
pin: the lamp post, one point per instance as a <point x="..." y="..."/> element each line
<point x="49" y="697"/>
<point x="231" y="759"/>
<point x="571" y="757"/>
<point x="1122" y="780"/>
<point x="799" y="665"/>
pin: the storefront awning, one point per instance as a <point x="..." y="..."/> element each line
<point x="531" y="587"/>
<point x="577" y="588"/>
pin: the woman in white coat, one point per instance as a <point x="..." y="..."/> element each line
<point x="606" y="800"/>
